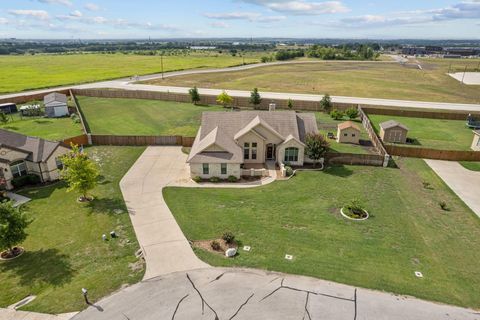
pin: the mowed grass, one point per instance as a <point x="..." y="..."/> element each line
<point x="407" y="231"/>
<point x="142" y="117"/>
<point x="357" y="79"/>
<point x="46" y="128"/>
<point x="64" y="249"/>
<point x="432" y="133"/>
<point x="472" y="166"/>
<point x="26" y="72"/>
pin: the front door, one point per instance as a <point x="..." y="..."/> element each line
<point x="270" y="152"/>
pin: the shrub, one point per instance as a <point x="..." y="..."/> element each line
<point x="352" y="113"/>
<point x="356" y="209"/>
<point x="326" y="103"/>
<point x="336" y="114"/>
<point x="228" y="237"/>
<point x="443" y="205"/>
<point x="197" y="179"/>
<point x="29" y="179"/>
<point x="289" y="171"/>
<point x="215" y="179"/>
<point x="232" y="179"/>
<point x="215" y="245"/>
<point x="426" y="184"/>
<point x="290" y="104"/>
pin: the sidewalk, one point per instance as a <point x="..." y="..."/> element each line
<point x="11" y="314"/>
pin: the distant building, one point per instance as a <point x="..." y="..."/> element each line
<point x="463" y="52"/>
<point x="412" y="51"/>
<point x="433" y="49"/>
<point x="56" y="105"/>
<point x="393" y="132"/>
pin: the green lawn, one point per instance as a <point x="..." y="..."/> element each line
<point x="26" y="72"/>
<point x="347" y="78"/>
<point x="50" y="129"/>
<point x="65" y="251"/>
<point x="473" y="166"/>
<point x="326" y="124"/>
<point x="432" y="133"/>
<point x="407" y="231"/>
<point x="142" y="117"/>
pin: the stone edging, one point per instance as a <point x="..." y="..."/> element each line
<point x="349" y="218"/>
<point x="23" y="251"/>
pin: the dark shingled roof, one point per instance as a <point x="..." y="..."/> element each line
<point x="38" y="150"/>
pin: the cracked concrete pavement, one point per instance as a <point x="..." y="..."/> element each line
<point x="242" y="294"/>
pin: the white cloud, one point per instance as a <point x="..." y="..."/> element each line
<point x="302" y="7"/>
<point x="62" y="2"/>
<point x="76" y="13"/>
<point x="250" y="16"/>
<point x="37" y="14"/>
<point x="220" y="24"/>
<point x="3" y="21"/>
<point x="92" y="7"/>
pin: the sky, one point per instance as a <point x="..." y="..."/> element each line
<point x="141" y="19"/>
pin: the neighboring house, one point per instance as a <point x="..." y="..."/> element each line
<point x="228" y="140"/>
<point x="476" y="140"/>
<point x="21" y="155"/>
<point x="56" y="105"/>
<point x="348" y="132"/>
<point x="393" y="132"/>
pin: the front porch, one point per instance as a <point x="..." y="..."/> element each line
<point x="268" y="169"/>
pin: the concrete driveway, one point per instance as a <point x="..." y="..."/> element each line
<point x="244" y="294"/>
<point x="165" y="248"/>
<point x="465" y="183"/>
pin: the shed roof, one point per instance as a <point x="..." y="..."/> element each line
<point x="55" y="97"/>
<point x="348" y="124"/>
<point x="392" y="124"/>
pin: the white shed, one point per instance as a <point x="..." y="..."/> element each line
<point x="56" y="105"/>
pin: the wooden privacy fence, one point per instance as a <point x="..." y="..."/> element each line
<point x="240" y="102"/>
<point x="86" y="128"/>
<point x="32" y="97"/>
<point x="78" y="140"/>
<point x="425" y="153"/>
<point x="447" y="115"/>
<point x="377" y="143"/>
<point x="354" y="159"/>
<point x="114" y="140"/>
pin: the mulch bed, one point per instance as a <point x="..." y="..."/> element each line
<point x="206" y="245"/>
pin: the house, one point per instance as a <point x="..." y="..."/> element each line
<point x="476" y="141"/>
<point x="21" y="155"/>
<point x="56" y="105"/>
<point x="393" y="132"/>
<point x="227" y="141"/>
<point x="348" y="132"/>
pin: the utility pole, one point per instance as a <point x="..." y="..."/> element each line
<point x="161" y="57"/>
<point x="465" y="71"/>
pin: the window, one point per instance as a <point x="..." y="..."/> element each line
<point x="223" y="168"/>
<point x="291" y="155"/>
<point x="353" y="134"/>
<point x="59" y="163"/>
<point x="345" y="134"/>
<point x="206" y="168"/>
<point x="254" y="151"/>
<point x="246" y="151"/>
<point x="18" y="169"/>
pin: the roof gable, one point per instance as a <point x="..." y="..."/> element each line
<point x="39" y="150"/>
<point x="250" y="127"/>
<point x="56" y="98"/>
<point x="347" y="125"/>
<point x="392" y="124"/>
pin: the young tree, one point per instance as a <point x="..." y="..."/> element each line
<point x="352" y="113"/>
<point x="13" y="223"/>
<point x="194" y="95"/>
<point x="316" y="146"/>
<point x="3" y="118"/>
<point x="255" y="98"/>
<point x="290" y="104"/>
<point x="326" y="103"/>
<point x="336" y="114"/>
<point x="224" y="99"/>
<point x="80" y="172"/>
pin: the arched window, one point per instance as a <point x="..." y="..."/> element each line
<point x="18" y="168"/>
<point x="291" y="154"/>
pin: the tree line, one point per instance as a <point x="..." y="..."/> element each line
<point x="360" y="52"/>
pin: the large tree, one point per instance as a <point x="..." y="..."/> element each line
<point x="316" y="146"/>
<point x="80" y="172"/>
<point x="255" y="98"/>
<point x="194" y="95"/>
<point x="13" y="223"/>
<point x="224" y="99"/>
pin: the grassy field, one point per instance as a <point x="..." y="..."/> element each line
<point x="40" y="71"/>
<point x="432" y="133"/>
<point x="407" y="231"/>
<point x="142" y="117"/>
<point x="50" y="129"/>
<point x="65" y="251"/>
<point x="472" y="166"/>
<point x="359" y="79"/>
<point x="326" y="124"/>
